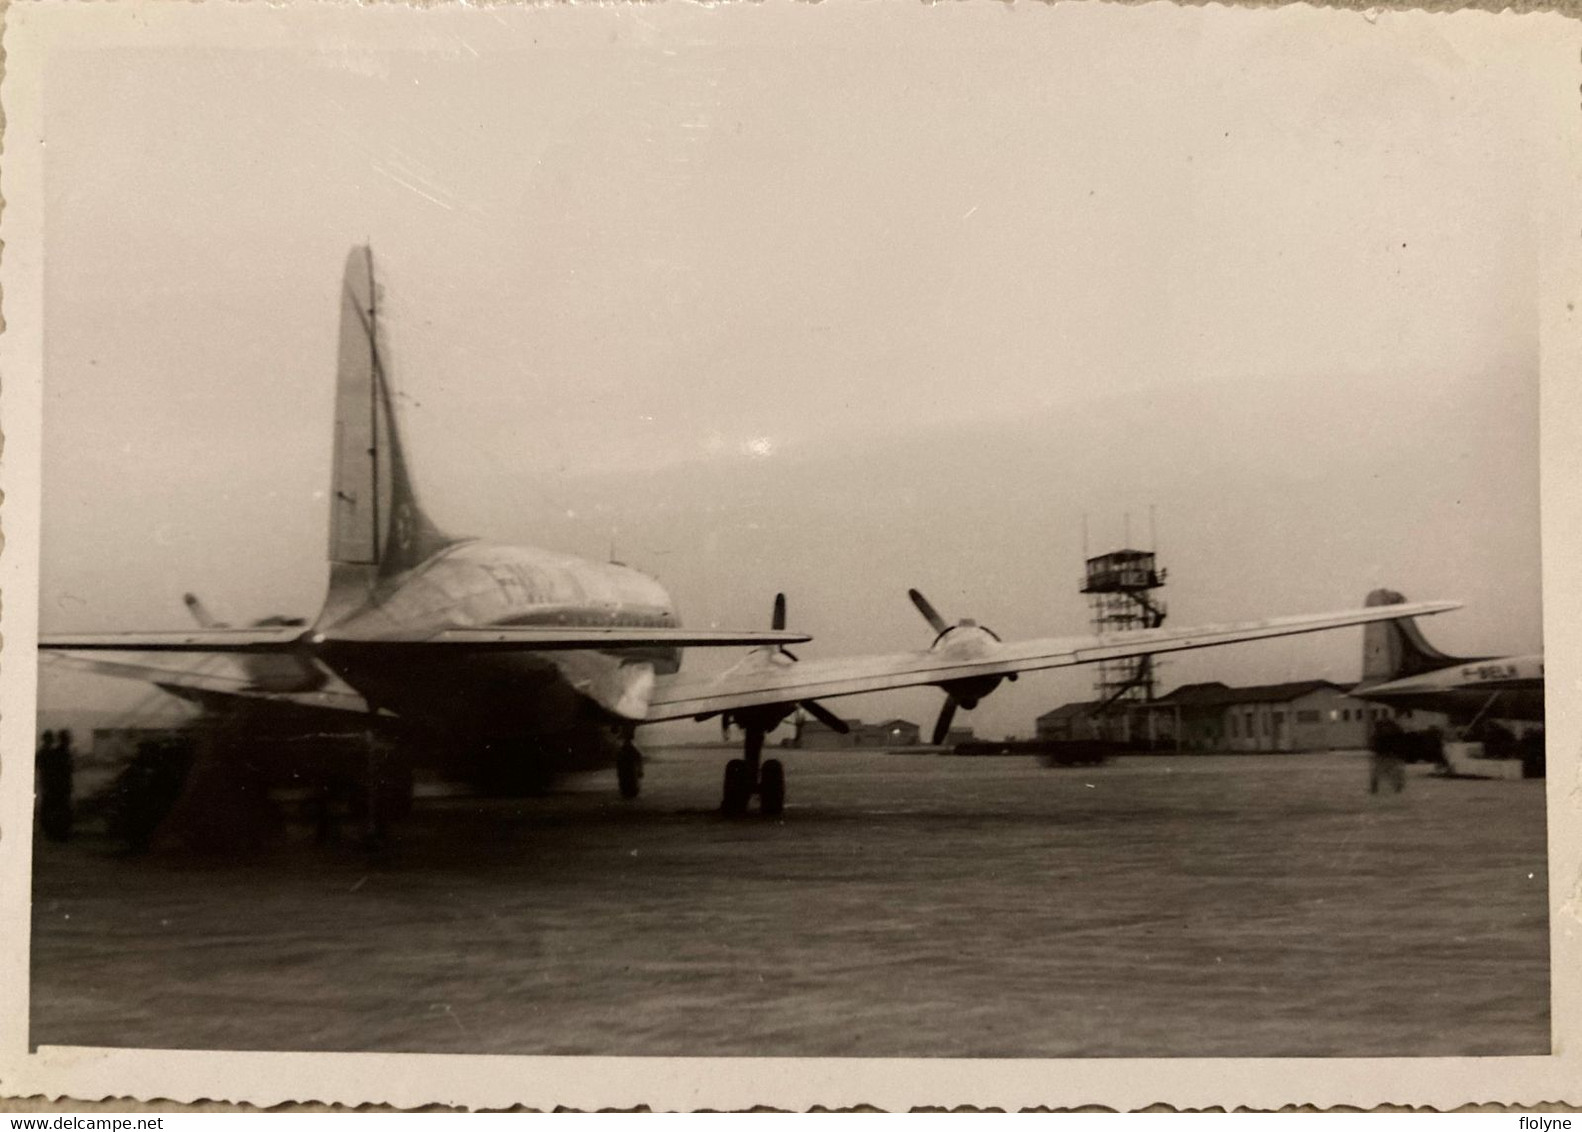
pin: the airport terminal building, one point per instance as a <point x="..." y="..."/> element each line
<point x="1304" y="715"/>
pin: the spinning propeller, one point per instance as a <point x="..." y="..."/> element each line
<point x="966" y="639"/>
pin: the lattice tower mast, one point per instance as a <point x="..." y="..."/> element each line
<point x="1122" y="588"/>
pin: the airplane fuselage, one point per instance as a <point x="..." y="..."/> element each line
<point x="577" y="705"/>
<point x="1507" y="687"/>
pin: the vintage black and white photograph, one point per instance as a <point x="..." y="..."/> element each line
<point x="840" y="531"/>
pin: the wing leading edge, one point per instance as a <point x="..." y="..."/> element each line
<point x="754" y="683"/>
<point x="499" y="638"/>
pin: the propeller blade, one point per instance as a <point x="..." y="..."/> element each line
<point x="947" y="715"/>
<point x="778" y="621"/>
<point x="828" y="718"/>
<point x="200" y="612"/>
<point x="930" y="614"/>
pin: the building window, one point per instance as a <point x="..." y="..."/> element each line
<point x="1307" y="717"/>
<point x="1233" y="734"/>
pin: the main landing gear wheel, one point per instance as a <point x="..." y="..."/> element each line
<point x="772" y="789"/>
<point x="738" y="788"/>
<point x="741" y="784"/>
<point x="629" y="771"/>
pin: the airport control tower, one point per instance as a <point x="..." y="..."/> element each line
<point x="1122" y="591"/>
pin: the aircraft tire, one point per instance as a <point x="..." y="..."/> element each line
<point x="772" y="788"/>
<point x="738" y="789"/>
<point x="629" y="772"/>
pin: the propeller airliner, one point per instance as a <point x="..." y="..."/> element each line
<point x="1402" y="669"/>
<point x="543" y="658"/>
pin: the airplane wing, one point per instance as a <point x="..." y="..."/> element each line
<point x="502" y="638"/>
<point x="535" y="638"/>
<point x="774" y="678"/>
<point x="210" y="680"/>
<point x="204" y="641"/>
<point x="205" y="667"/>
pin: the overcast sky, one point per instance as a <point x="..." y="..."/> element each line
<point x="832" y="299"/>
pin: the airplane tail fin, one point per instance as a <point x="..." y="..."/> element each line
<point x="1392" y="650"/>
<point x="377" y="527"/>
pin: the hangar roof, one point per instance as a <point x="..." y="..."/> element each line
<point x="1216" y="694"/>
<point x="1210" y="694"/>
<point x="1067" y="711"/>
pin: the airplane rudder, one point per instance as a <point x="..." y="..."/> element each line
<point x="354" y="502"/>
<point x="403" y="535"/>
<point x="1382" y="644"/>
<point x="377" y="526"/>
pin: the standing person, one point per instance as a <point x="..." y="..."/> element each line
<point x="44" y="760"/>
<point x="41" y="758"/>
<point x="1389" y="766"/>
<point x="53" y="766"/>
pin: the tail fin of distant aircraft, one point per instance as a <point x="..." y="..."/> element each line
<point x="377" y="527"/>
<point x="1392" y="650"/>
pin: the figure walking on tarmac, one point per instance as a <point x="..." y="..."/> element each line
<point x="1389" y="765"/>
<point x="52" y="766"/>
